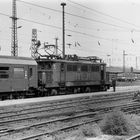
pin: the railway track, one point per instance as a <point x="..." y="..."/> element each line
<point x="52" y="107"/>
<point x="96" y="116"/>
<point x="136" y="137"/>
<point x="53" y="132"/>
<point x="82" y="100"/>
<point x="84" y="111"/>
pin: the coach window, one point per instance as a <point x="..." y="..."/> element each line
<point x="18" y="73"/>
<point x="4" y="72"/>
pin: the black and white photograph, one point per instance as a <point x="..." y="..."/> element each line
<point x="69" y="69"/>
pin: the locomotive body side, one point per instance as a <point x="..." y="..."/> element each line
<point x="86" y="77"/>
<point x="81" y="74"/>
<point x="71" y="76"/>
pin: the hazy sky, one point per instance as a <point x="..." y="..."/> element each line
<point x="93" y="27"/>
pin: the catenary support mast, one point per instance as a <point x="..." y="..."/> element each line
<point x="14" y="42"/>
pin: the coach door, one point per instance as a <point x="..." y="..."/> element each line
<point x="19" y="82"/>
<point x="31" y="76"/>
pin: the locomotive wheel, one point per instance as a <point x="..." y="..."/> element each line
<point x="88" y="90"/>
<point x="54" y="92"/>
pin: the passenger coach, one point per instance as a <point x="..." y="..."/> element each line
<point x="17" y="76"/>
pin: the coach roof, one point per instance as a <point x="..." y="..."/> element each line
<point x="17" y="60"/>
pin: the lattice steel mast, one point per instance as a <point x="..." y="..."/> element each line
<point x="33" y="43"/>
<point x="14" y="42"/>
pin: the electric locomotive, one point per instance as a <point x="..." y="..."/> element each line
<point x="71" y="75"/>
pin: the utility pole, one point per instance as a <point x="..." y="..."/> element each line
<point x="63" y="29"/>
<point x="124" y="54"/>
<point x="14" y="42"/>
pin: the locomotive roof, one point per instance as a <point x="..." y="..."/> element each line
<point x="68" y="61"/>
<point x="17" y="60"/>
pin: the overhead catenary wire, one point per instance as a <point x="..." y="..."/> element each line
<point x="5" y="14"/>
<point x="71" y="14"/>
<point x="104" y="14"/>
<point x="57" y="27"/>
<point x="60" y="28"/>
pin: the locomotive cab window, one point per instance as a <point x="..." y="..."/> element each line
<point x="46" y="66"/>
<point x="4" y="72"/>
<point x="49" y="66"/>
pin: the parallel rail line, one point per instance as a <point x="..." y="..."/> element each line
<point x="60" y="130"/>
<point x="66" y="105"/>
<point x="53" y="108"/>
<point x="136" y="137"/>
<point x="48" y="115"/>
<point x="94" y="112"/>
<point x="53" y="132"/>
<point x="95" y="99"/>
<point x="102" y="110"/>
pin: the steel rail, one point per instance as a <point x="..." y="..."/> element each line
<point x="99" y="110"/>
<point x="33" y="110"/>
<point x="60" y="130"/>
<point x="88" y="109"/>
<point x="68" y="102"/>
<point x="48" y="115"/>
<point x="135" y="137"/>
